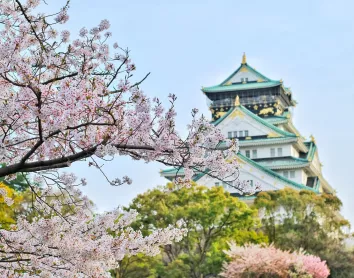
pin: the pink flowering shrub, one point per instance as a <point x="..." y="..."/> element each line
<point x="268" y="261"/>
<point x="314" y="266"/>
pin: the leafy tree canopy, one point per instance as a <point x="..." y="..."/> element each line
<point x="212" y="218"/>
<point x="302" y="219"/>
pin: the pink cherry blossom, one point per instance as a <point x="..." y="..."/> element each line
<point x="76" y="244"/>
<point x="62" y="102"/>
<point x="65" y="101"/>
<point x="261" y="260"/>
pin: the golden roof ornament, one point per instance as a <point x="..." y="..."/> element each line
<point x="312" y="139"/>
<point x="237" y="101"/>
<point x="281" y="81"/>
<point x="244" y="61"/>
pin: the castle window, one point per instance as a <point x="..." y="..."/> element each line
<point x="246" y="79"/>
<point x="286" y="174"/>
<point x="254" y="153"/>
<point x="280" y="152"/>
<point x="250" y="182"/>
<point x="272" y="152"/>
<point x="248" y="153"/>
<point x="240" y="133"/>
<point x="235" y="134"/>
<point x="217" y="184"/>
<point x="292" y="174"/>
<point x="242" y="80"/>
<point x="229" y="135"/>
<point x="246" y="133"/>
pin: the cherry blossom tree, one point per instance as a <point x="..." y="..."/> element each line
<point x="63" y="101"/>
<point x="66" y="100"/>
<point x="79" y="245"/>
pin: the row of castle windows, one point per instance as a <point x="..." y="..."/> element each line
<point x="272" y="152"/>
<point x="288" y="174"/>
<point x="235" y="134"/>
<point x="279" y="152"/>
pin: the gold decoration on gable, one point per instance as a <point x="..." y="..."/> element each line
<point x="273" y="135"/>
<point x="260" y="80"/>
<point x="313" y="139"/>
<point x="244" y="69"/>
<point x="279" y="112"/>
<point x="244" y="59"/>
<point x="237" y="113"/>
<point x="228" y="83"/>
<point x="255" y="107"/>
<point x="220" y="114"/>
<point x="266" y="111"/>
<point x="237" y="101"/>
<point x="240" y="161"/>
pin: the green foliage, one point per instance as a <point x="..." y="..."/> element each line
<point x="19" y="182"/>
<point x="212" y="218"/>
<point x="302" y="219"/>
<point x="8" y="213"/>
<point x="141" y="267"/>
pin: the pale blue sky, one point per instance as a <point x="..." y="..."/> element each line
<point x="189" y="44"/>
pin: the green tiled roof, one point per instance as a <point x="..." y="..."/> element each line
<point x="255" y="117"/>
<point x="283" y="163"/>
<point x="241" y="86"/>
<point x="223" y="87"/>
<point x="249" y="68"/>
<point x="312" y="150"/>
<point x="262" y="141"/>
<point x="318" y="184"/>
<point x="274" y="174"/>
<point x="172" y="172"/>
<point x="276" y="120"/>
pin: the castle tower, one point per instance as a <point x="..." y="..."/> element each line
<point x="258" y="112"/>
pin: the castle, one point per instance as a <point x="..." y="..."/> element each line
<point x="258" y="112"/>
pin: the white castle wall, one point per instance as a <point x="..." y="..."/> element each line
<point x="264" y="151"/>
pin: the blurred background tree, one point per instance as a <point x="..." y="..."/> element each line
<point x="302" y="219"/>
<point x="213" y="218"/>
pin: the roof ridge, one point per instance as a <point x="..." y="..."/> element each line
<point x="282" y="157"/>
<point x="240" y="86"/>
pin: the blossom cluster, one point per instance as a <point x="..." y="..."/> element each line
<point x="75" y="242"/>
<point x="64" y="100"/>
<point x="261" y="260"/>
